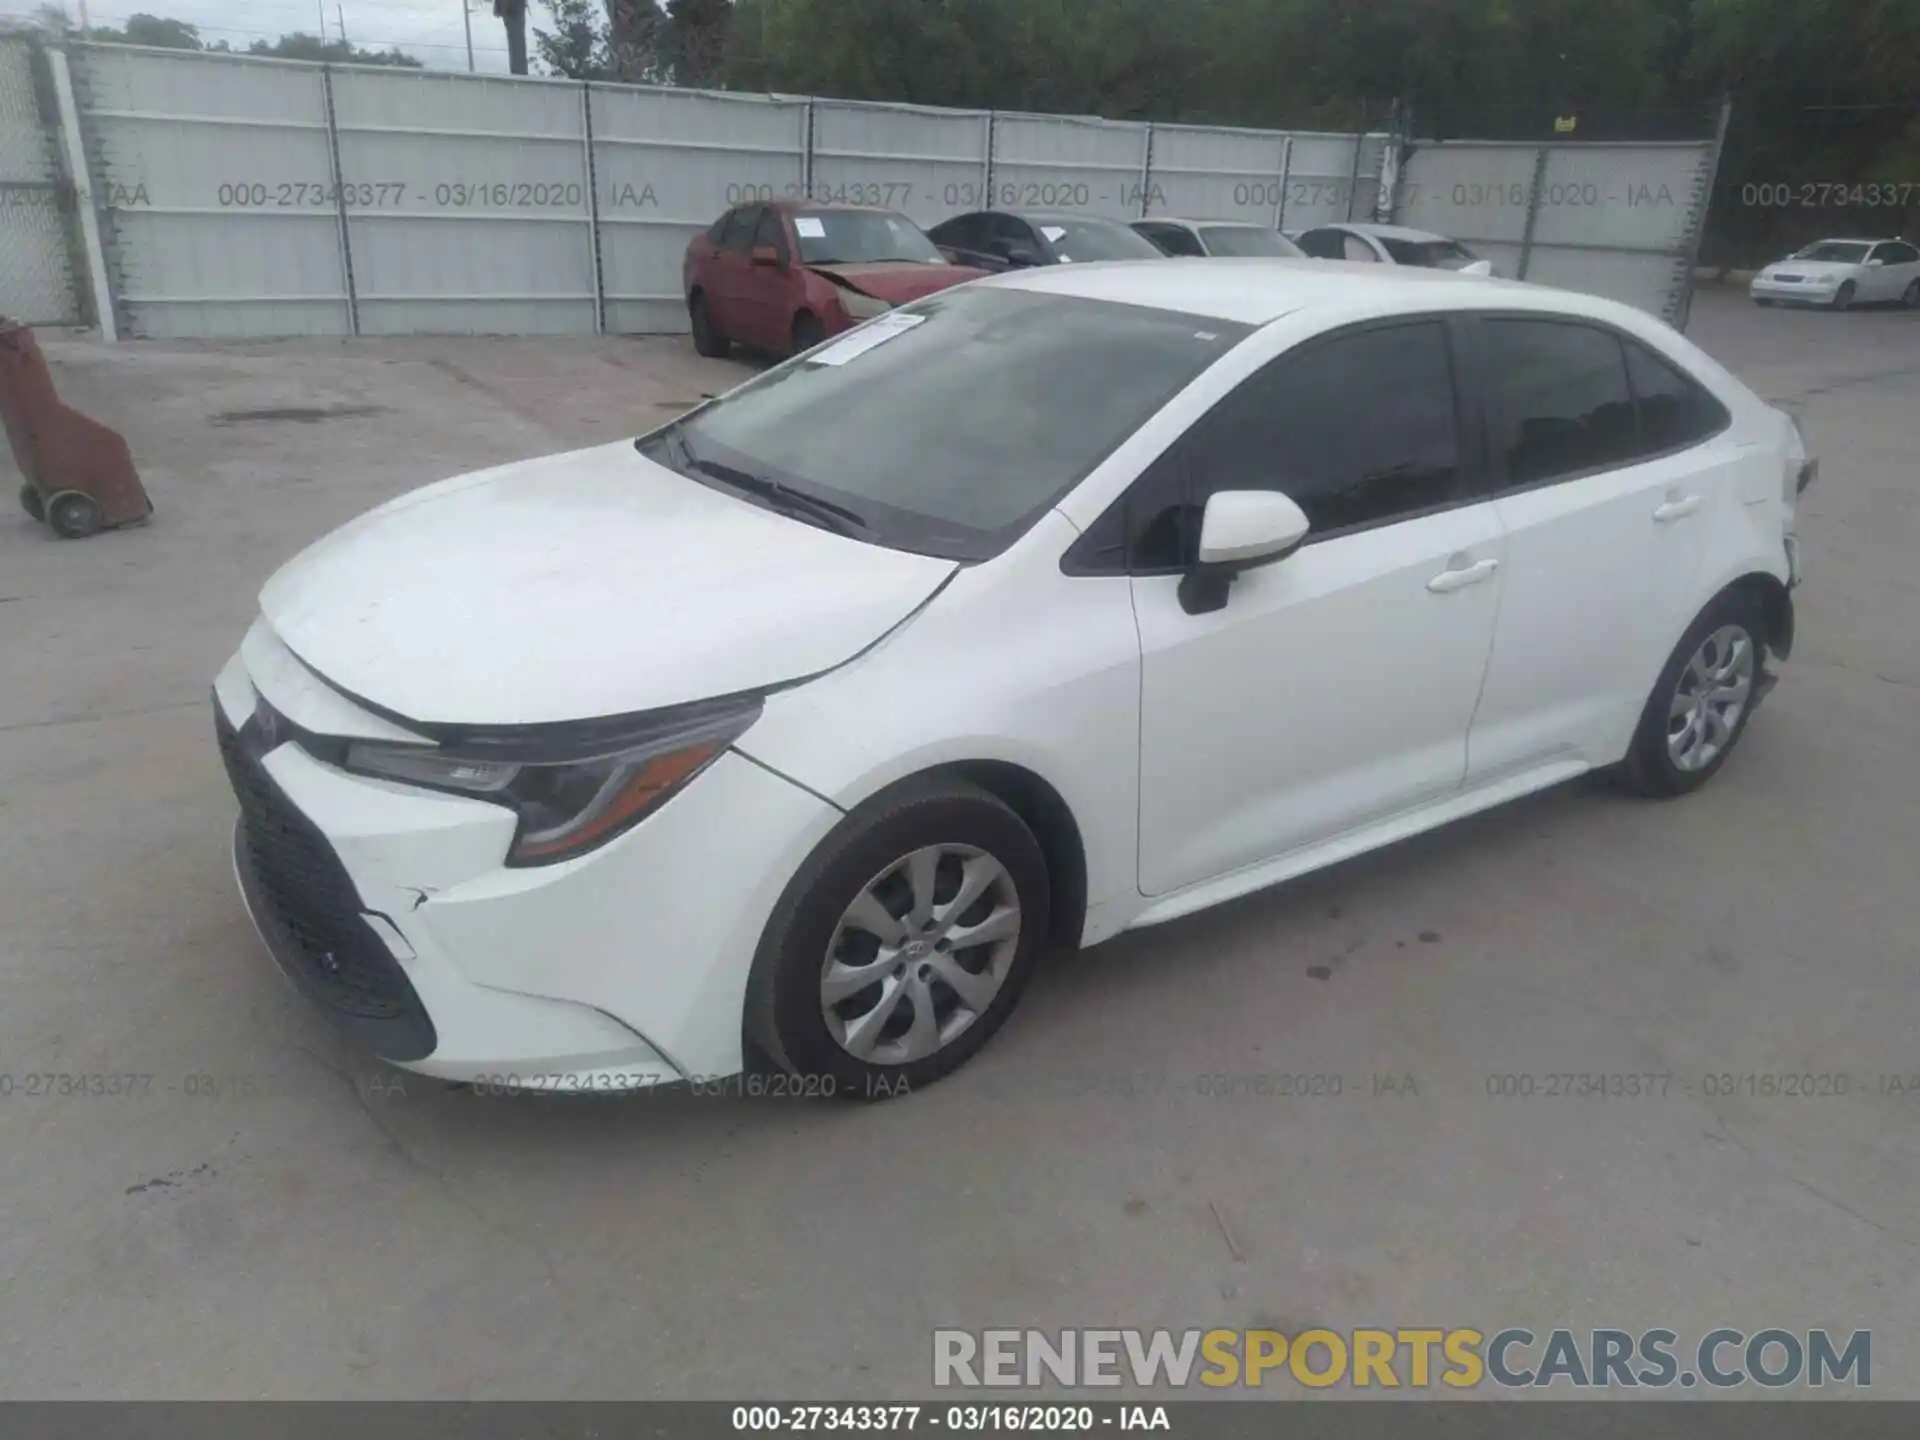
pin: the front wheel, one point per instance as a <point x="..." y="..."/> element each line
<point x="1702" y="701"/>
<point x="1843" y="297"/>
<point x="707" y="341"/>
<point x="1910" y="297"/>
<point x="903" y="943"/>
<point x="807" y="333"/>
<point x="74" y="515"/>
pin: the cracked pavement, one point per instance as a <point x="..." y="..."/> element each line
<point x="262" y="1213"/>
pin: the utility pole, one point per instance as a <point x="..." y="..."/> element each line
<point x="323" y="20"/>
<point x="341" y="17"/>
<point x="85" y="29"/>
<point x="466" y="14"/>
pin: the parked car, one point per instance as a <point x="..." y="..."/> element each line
<point x="1051" y="606"/>
<point x="1391" y="245"/>
<point x="1240" y="238"/>
<point x="1842" y="273"/>
<point x="1006" y="240"/>
<point x="782" y="275"/>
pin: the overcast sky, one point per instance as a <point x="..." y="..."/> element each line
<point x="429" y="30"/>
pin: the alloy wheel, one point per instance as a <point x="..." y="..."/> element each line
<point x="1710" y="698"/>
<point x="920" y="954"/>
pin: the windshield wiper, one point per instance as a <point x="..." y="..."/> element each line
<point x="834" y="517"/>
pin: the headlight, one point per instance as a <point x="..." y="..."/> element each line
<point x="863" y="307"/>
<point x="574" y="787"/>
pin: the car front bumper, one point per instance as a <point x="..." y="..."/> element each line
<point x="1801" y="293"/>
<point x="390" y="908"/>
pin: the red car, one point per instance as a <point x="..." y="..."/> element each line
<point x="783" y="275"/>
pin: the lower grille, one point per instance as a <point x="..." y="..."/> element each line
<point x="303" y="898"/>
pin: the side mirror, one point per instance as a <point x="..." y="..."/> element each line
<point x="1875" y="263"/>
<point x="1478" y="267"/>
<point x="1241" y="529"/>
<point x="766" y="255"/>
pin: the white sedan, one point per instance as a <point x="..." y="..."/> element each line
<point x="1843" y="273"/>
<point x="1369" y="243"/>
<point x="1239" y="239"/>
<point x="1059" y="604"/>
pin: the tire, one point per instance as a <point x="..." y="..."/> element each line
<point x="707" y="341"/>
<point x="862" y="877"/>
<point x="1675" y="754"/>
<point x="74" y="514"/>
<point x="1910" y="297"/>
<point x="30" y="502"/>
<point x="807" y="333"/>
<point x="1843" y="297"/>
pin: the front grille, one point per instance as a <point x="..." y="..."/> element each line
<point x="311" y="906"/>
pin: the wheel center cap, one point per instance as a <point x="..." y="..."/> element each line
<point x="916" y="947"/>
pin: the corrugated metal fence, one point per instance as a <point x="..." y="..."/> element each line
<point x="259" y="197"/>
<point x="242" y="196"/>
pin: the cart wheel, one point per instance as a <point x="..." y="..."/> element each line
<point x="30" y="502"/>
<point x="74" y="514"/>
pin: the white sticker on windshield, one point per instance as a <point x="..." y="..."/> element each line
<point x="1053" y="232"/>
<point x="874" y="332"/>
<point x="809" y="227"/>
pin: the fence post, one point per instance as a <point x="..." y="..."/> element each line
<point x="1386" y="199"/>
<point x="806" y="154"/>
<point x="340" y="201"/>
<point x="1697" y="222"/>
<point x="1353" y="177"/>
<point x="1286" y="173"/>
<point x="1533" y="210"/>
<point x="986" y="164"/>
<point x="77" y="167"/>
<point x="1146" y="170"/>
<point x="593" y="210"/>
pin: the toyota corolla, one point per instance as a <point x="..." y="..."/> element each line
<point x="1048" y="607"/>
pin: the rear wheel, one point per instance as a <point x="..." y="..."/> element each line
<point x="1843" y="297"/>
<point x="74" y="515"/>
<point x="30" y="502"/>
<point x="1910" y="297"/>
<point x="707" y="341"/>
<point x="807" y="333"/>
<point x="1702" y="701"/>
<point x="902" y="944"/>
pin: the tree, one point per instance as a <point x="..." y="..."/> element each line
<point x="636" y="40"/>
<point x="298" y="46"/>
<point x="579" y="45"/>
<point x="694" y="40"/>
<point x="153" y="30"/>
<point x="513" y="14"/>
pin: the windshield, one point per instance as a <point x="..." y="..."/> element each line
<point x="950" y="425"/>
<point x="1247" y="240"/>
<point x="1839" y="251"/>
<point x="1433" y="254"/>
<point x="861" y="237"/>
<point x="1075" y="238"/>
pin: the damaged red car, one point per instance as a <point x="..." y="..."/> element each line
<point x="783" y="275"/>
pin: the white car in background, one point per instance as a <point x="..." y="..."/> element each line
<point x="1391" y="245"/>
<point x="1054" y="605"/>
<point x="1237" y="239"/>
<point x="1842" y="273"/>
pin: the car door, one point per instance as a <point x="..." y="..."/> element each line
<point x="1336" y="686"/>
<point x="1326" y="243"/>
<point x="1608" y="479"/>
<point x="767" y="291"/>
<point x="965" y="238"/>
<point x="727" y="282"/>
<point x="1899" y="268"/>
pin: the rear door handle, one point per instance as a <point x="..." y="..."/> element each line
<point x="1677" y="509"/>
<point x="1452" y="579"/>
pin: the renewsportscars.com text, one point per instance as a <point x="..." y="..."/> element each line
<point x="1417" y="1359"/>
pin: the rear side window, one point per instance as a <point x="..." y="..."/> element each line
<point x="738" y="229"/>
<point x="1673" y="411"/>
<point x="1896" y="252"/>
<point x="1322" y="244"/>
<point x="770" y="232"/>
<point x="1174" y="239"/>
<point x="1359" y="430"/>
<point x="1557" y="399"/>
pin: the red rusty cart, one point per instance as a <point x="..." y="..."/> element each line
<point x="80" y="476"/>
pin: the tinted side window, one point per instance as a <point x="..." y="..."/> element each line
<point x="1355" y="247"/>
<point x="1322" y="244"/>
<point x="965" y="232"/>
<point x="1557" y="399"/>
<point x="1673" y="411"/>
<point x="718" y="230"/>
<point x="770" y="231"/>
<point x="1897" y="253"/>
<point x="1359" y="430"/>
<point x="739" y="228"/>
<point x="1178" y="240"/>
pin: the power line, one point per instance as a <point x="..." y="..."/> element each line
<point x="371" y="42"/>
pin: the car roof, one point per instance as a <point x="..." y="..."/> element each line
<point x="1256" y="291"/>
<point x="1380" y="232"/>
<point x="1194" y="224"/>
<point x="1057" y="217"/>
<point x="1851" y="240"/>
<point x="791" y="205"/>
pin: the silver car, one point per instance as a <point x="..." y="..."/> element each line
<point x="1838" y="274"/>
<point x="1242" y="239"/>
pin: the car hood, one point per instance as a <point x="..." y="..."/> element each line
<point x="899" y="281"/>
<point x="1818" y="269"/>
<point x="581" y="586"/>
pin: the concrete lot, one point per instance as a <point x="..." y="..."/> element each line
<point x="289" y="1225"/>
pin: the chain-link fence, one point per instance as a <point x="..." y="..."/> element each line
<point x="36" y="203"/>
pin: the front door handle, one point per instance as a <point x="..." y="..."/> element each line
<point x="1451" y="579"/>
<point x="1677" y="509"/>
